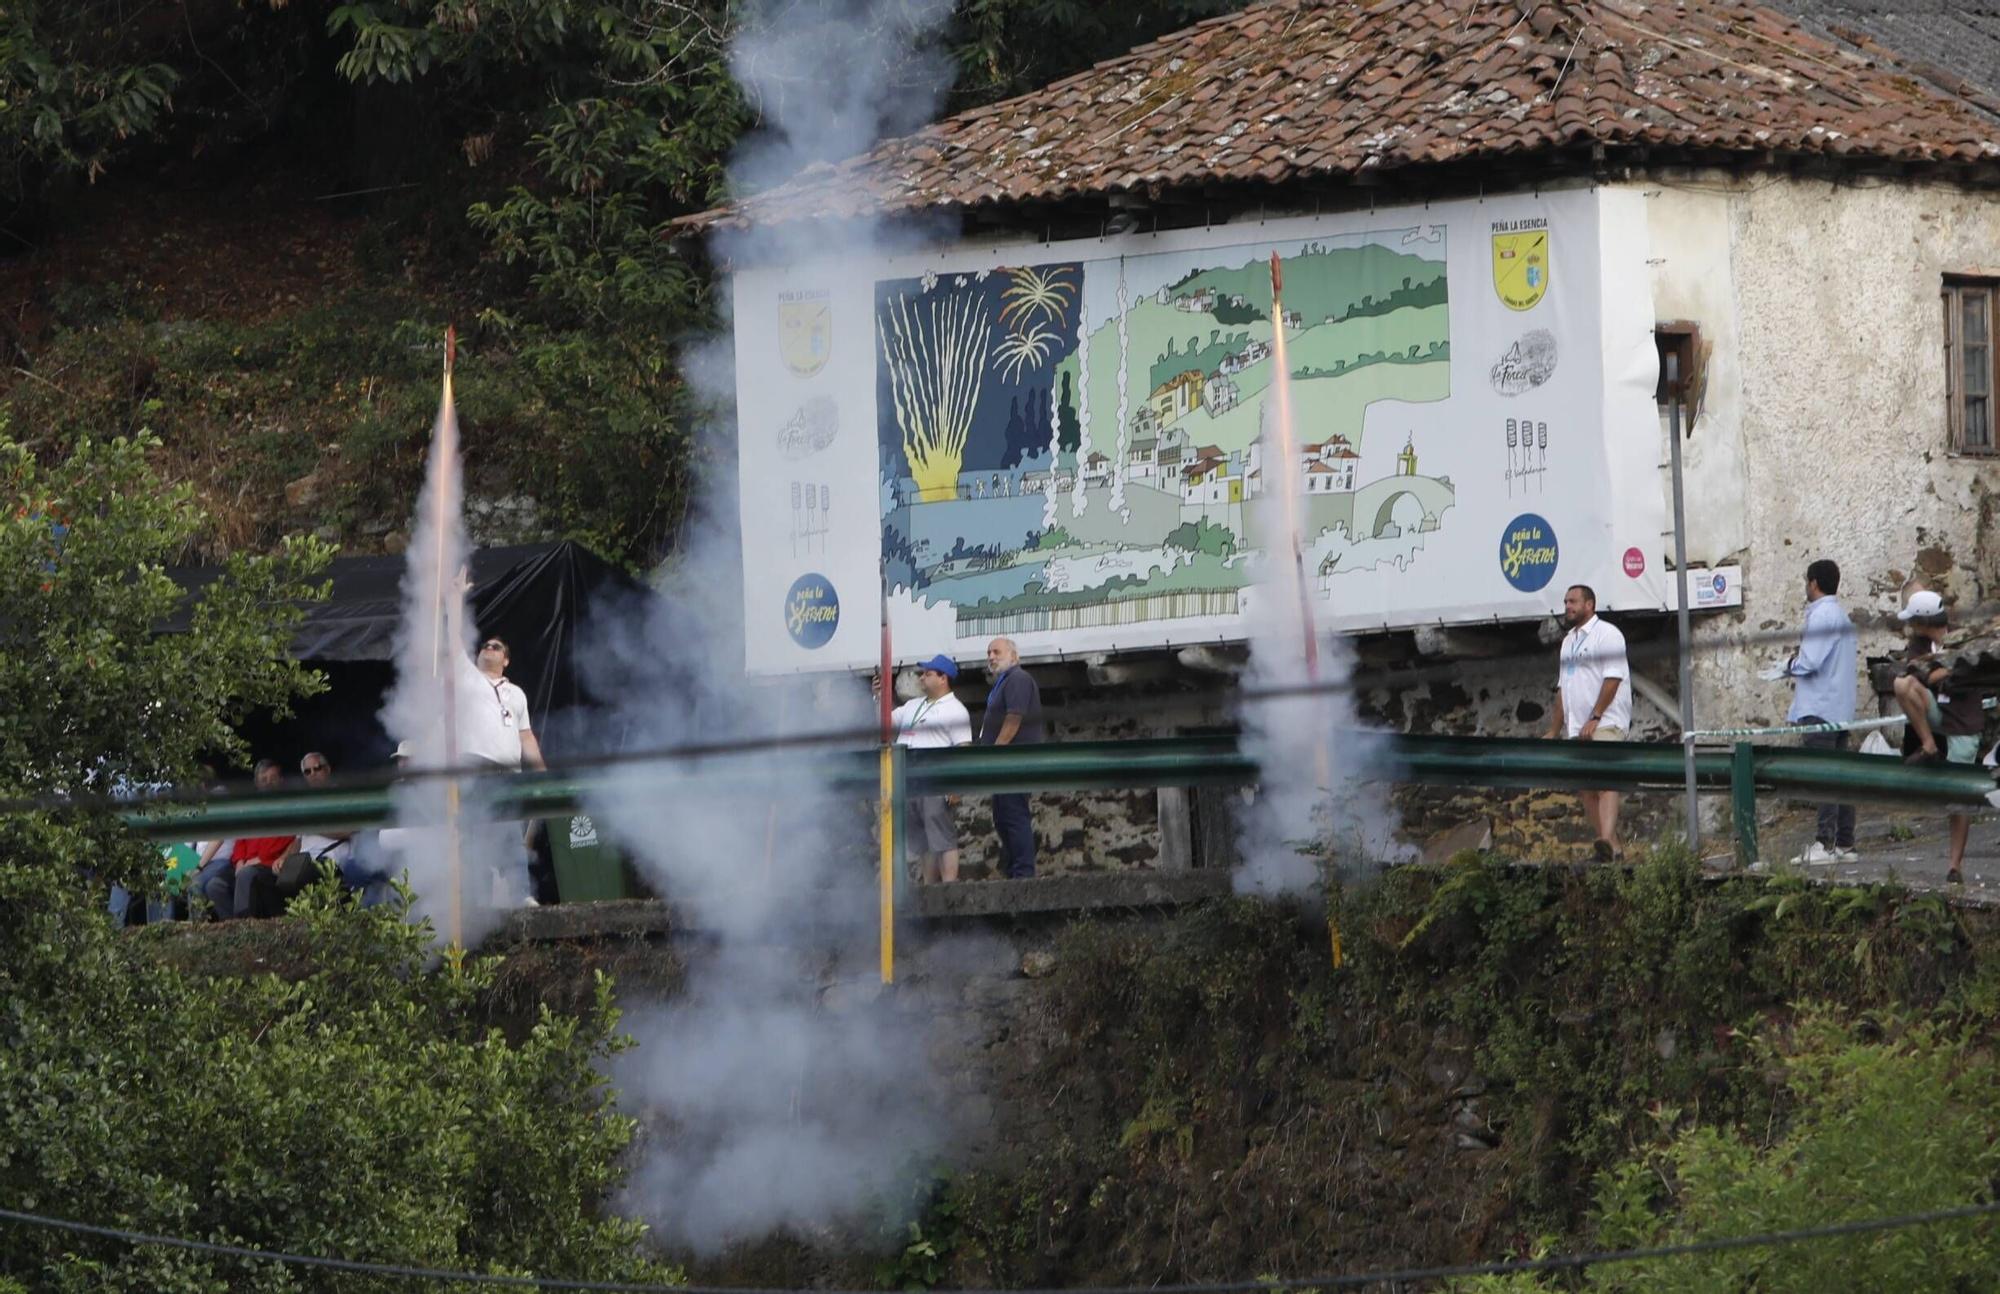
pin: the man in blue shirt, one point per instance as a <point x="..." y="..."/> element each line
<point x="1013" y="718"/>
<point x="1823" y="669"/>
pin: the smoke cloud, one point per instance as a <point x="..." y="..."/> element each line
<point x="829" y="78"/>
<point x="1319" y="805"/>
<point x="780" y="1091"/>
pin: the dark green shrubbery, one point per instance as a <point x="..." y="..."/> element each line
<point x="361" y="1111"/>
<point x="1650" y="1055"/>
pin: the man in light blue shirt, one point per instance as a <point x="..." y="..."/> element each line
<point x="1823" y="669"/>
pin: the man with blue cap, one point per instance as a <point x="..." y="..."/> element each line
<point x="935" y="720"/>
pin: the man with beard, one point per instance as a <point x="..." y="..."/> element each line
<point x="1593" y="701"/>
<point x="1013" y="718"/>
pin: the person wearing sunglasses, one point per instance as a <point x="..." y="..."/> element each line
<point x="334" y="846"/>
<point x="493" y="723"/>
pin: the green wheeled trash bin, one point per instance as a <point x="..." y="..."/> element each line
<point x="588" y="866"/>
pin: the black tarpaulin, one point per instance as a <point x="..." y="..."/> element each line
<point x="539" y="598"/>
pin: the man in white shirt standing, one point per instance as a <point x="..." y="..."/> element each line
<point x="933" y="721"/>
<point x="493" y="726"/>
<point x="1593" y="701"/>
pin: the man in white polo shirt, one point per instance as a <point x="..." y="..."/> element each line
<point x="493" y="726"/>
<point x="933" y="721"/>
<point x="1593" y="701"/>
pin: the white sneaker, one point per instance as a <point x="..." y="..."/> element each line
<point x="1848" y="855"/>
<point x="1818" y="856"/>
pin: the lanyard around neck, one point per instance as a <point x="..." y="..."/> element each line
<point x="923" y="708"/>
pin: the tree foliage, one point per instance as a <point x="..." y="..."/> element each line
<point x="362" y="1111"/>
<point x="526" y="158"/>
<point x="1880" y="1118"/>
<point x="1008" y="47"/>
<point x="617" y="115"/>
<point x="72" y="88"/>
<point x="91" y="697"/>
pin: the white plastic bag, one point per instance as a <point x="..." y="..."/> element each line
<point x="1877" y="744"/>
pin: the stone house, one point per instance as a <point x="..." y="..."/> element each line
<point x="1821" y="186"/>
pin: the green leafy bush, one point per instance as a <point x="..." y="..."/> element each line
<point x="93" y="699"/>
<point x="360" y="1111"/>
<point x="1879" y="1118"/>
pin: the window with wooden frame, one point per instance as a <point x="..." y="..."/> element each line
<point x="1969" y="363"/>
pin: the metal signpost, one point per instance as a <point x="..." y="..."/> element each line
<point x="1681" y="599"/>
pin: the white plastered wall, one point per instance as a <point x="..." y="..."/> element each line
<point x="1822" y="432"/>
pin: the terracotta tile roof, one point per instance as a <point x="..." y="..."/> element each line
<point x="1297" y="89"/>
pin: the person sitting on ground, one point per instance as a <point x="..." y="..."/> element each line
<point x="218" y="884"/>
<point x="1957" y="715"/>
<point x="936" y="720"/>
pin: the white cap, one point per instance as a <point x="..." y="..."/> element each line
<point x="402" y="750"/>
<point x="1922" y="603"/>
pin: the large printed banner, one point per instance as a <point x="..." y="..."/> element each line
<point x="1067" y="443"/>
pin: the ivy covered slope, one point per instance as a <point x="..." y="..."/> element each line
<point x="243" y="226"/>
<point x="1512" y="1061"/>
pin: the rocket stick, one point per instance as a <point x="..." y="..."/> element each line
<point x="445" y="624"/>
<point x="1295" y="535"/>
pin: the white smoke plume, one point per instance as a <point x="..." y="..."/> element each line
<point x="464" y="868"/>
<point x="828" y="78"/>
<point x="777" y="1091"/>
<point x="766" y="1110"/>
<point x="1320" y="807"/>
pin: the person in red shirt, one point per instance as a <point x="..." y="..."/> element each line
<point x="220" y="887"/>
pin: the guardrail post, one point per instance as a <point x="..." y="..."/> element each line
<point x="1743" y="801"/>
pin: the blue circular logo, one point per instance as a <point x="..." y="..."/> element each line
<point x="1528" y="552"/>
<point x="812" y="611"/>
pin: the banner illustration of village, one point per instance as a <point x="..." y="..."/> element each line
<point x="1070" y="442"/>
<point x="1070" y="445"/>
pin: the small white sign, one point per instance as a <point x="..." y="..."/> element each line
<point x="582" y="832"/>
<point x="1715" y="588"/>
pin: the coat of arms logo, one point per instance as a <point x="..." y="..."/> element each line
<point x="1521" y="267"/>
<point x="805" y="334"/>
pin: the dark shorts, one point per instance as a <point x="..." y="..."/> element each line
<point x="928" y="823"/>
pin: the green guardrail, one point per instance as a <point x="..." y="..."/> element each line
<point x="1203" y="760"/>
